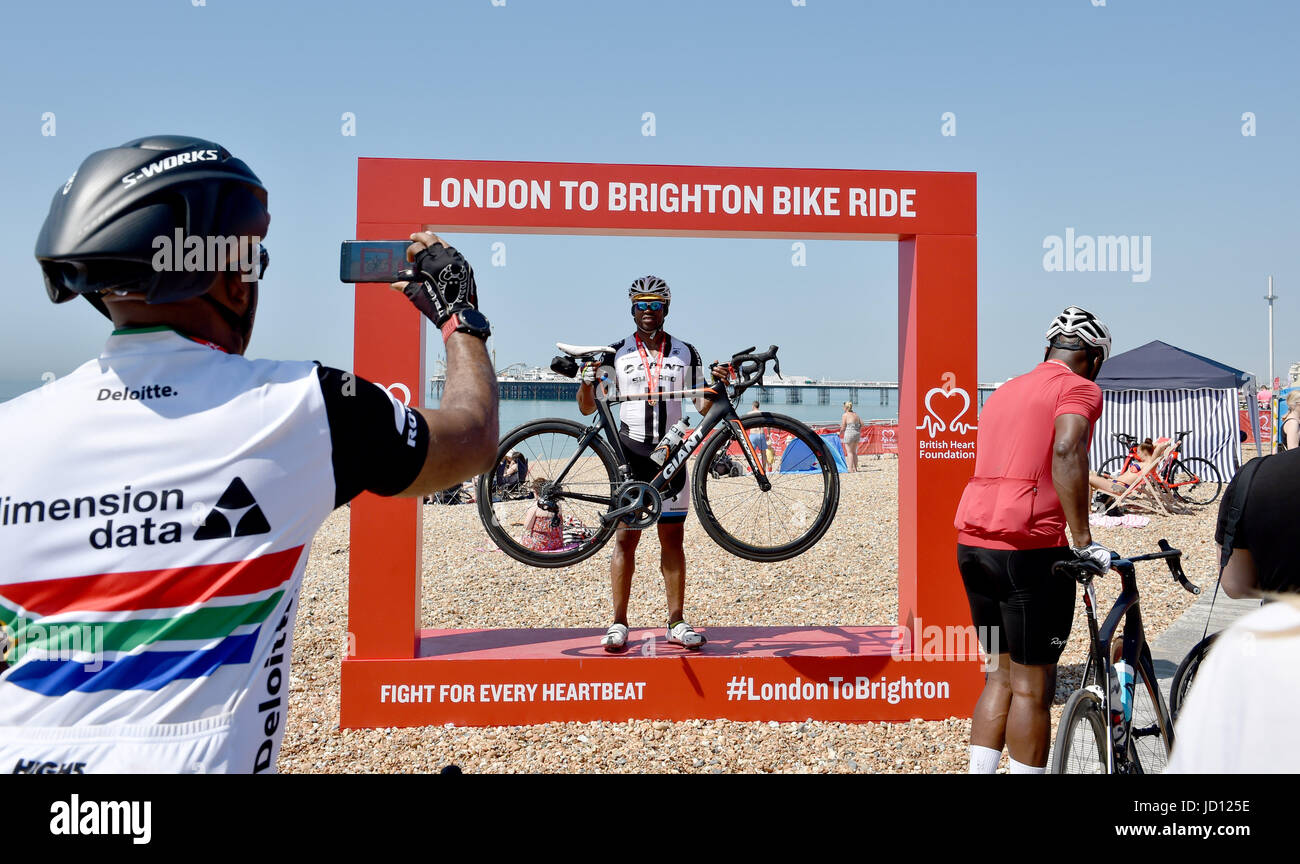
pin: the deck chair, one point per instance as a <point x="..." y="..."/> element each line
<point x="1142" y="490"/>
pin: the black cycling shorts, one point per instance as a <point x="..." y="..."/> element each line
<point x="676" y="497"/>
<point x="1017" y="605"/>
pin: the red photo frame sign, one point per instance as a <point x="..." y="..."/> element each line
<point x="398" y="674"/>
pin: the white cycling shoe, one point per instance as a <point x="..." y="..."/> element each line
<point x="615" y="638"/>
<point x="684" y="635"/>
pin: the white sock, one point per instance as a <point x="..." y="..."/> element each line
<point x="984" y="760"/>
<point x="1020" y="768"/>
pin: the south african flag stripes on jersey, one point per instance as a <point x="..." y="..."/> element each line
<point x="139" y="630"/>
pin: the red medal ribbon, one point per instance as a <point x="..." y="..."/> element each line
<point x="652" y="374"/>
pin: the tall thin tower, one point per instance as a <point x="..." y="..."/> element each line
<point x="1270" y="298"/>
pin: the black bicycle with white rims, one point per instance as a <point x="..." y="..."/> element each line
<point x="1095" y="735"/>
<point x="765" y="486"/>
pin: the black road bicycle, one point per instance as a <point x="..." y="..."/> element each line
<point x="577" y="488"/>
<point x="1182" y="683"/>
<point x="1191" y="479"/>
<point x="1095" y="735"/>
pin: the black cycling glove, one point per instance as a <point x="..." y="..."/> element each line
<point x="440" y="283"/>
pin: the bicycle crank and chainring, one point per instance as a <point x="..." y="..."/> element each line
<point x="638" y="504"/>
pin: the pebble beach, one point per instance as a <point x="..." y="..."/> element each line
<point x="849" y="577"/>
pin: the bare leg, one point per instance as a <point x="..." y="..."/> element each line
<point x="1106" y="484"/>
<point x="672" y="561"/>
<point x="1029" y="723"/>
<point x="621" y="567"/>
<point x="988" y="726"/>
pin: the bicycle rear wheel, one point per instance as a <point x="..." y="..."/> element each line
<point x="1149" y="735"/>
<point x="1080" y="736"/>
<point x="1195" y="481"/>
<point x="542" y="518"/>
<point x="1182" y="683"/>
<point x="788" y="518"/>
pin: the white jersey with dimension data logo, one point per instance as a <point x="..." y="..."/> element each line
<point x="157" y="507"/>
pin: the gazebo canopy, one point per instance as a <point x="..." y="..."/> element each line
<point x="1160" y="366"/>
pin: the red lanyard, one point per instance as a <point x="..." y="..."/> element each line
<point x="652" y="374"/>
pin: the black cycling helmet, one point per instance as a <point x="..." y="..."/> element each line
<point x="99" y="234"/>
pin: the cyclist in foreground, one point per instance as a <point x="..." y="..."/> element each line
<point x="1239" y="716"/>
<point x="1031" y="481"/>
<point x="151" y="562"/>
<point x="649" y="361"/>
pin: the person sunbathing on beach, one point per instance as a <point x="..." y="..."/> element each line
<point x="1148" y="454"/>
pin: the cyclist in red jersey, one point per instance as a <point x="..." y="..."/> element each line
<point x="1030" y="483"/>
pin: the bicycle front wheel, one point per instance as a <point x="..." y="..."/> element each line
<point x="1080" y="736"/>
<point x="790" y="516"/>
<point x="1182" y="683"/>
<point x="1195" y="481"/>
<point x="1149" y="737"/>
<point x="546" y="511"/>
<point x="1112" y="466"/>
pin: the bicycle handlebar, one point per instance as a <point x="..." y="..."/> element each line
<point x="1085" y="568"/>
<point x="757" y="365"/>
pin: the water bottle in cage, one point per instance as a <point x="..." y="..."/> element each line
<point x="671" y="440"/>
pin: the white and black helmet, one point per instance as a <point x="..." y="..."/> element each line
<point x="1082" y="325"/>
<point x="649" y="286"/>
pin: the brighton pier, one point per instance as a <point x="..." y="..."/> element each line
<point x="788" y="391"/>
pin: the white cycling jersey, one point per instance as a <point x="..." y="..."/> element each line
<point x="635" y="364"/>
<point x="157" y="507"/>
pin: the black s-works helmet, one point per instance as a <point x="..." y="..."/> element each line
<point x="103" y="222"/>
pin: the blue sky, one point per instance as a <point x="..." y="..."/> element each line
<point x="1121" y="119"/>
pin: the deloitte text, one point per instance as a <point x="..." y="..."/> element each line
<point x="270" y="708"/>
<point x="124" y="529"/>
<point x="179" y="253"/>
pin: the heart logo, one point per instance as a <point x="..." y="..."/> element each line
<point x="934" y="422"/>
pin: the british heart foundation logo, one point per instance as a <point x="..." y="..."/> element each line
<point x="944" y="407"/>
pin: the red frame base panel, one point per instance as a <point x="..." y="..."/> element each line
<point x="515" y="677"/>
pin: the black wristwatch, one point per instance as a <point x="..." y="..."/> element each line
<point x="467" y="320"/>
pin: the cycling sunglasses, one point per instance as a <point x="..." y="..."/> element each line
<point x="651" y="305"/>
<point x="263" y="259"/>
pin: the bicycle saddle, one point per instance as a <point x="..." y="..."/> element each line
<point x="583" y="350"/>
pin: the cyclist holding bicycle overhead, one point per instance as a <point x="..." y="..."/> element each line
<point x="162" y="498"/>
<point x="1031" y="481"/>
<point x="649" y="361"/>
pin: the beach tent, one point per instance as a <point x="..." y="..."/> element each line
<point x="1158" y="389"/>
<point x="798" y="459"/>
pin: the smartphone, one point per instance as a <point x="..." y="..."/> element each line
<point x="372" y="260"/>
